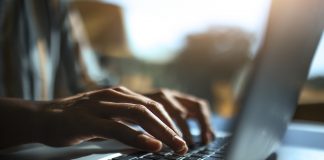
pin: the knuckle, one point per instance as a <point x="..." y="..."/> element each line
<point x="140" y="109"/>
<point x="95" y="93"/>
<point x="79" y="102"/>
<point x="107" y="91"/>
<point x="154" y="104"/>
<point x="162" y="91"/>
<point x="117" y="86"/>
<point x="122" y="88"/>
<point x="202" y="104"/>
<point x="200" y="108"/>
<point x="203" y="101"/>
<point x="101" y="93"/>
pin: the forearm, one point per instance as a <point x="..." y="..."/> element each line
<point x="19" y="122"/>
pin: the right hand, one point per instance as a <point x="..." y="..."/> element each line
<point x="102" y="114"/>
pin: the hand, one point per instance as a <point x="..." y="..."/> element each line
<point x="103" y="113"/>
<point x="181" y="107"/>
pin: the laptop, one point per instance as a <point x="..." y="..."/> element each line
<point x="269" y="98"/>
<point x="267" y="101"/>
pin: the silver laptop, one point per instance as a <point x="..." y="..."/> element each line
<point x="269" y="98"/>
<point x="280" y="69"/>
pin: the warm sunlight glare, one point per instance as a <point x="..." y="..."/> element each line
<point x="157" y="29"/>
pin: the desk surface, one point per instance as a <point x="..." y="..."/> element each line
<point x="303" y="140"/>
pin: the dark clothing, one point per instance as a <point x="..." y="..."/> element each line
<point x="37" y="51"/>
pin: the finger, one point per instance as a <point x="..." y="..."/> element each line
<point x="125" y="90"/>
<point x="145" y="118"/>
<point x="127" y="135"/>
<point x="199" y="109"/>
<point x="154" y="106"/>
<point x="183" y="125"/>
<point x="180" y="116"/>
<point x="123" y="95"/>
<point x="203" y="119"/>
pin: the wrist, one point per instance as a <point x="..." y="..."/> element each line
<point x="39" y="120"/>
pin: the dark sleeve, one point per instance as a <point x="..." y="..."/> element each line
<point x="68" y="73"/>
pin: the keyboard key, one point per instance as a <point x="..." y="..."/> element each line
<point x="213" y="151"/>
<point x="173" y="157"/>
<point x="153" y="156"/>
<point x="207" y="152"/>
<point x="191" y="158"/>
<point x="198" y="155"/>
<point x="211" y="158"/>
<point x="125" y="158"/>
<point x="163" y="153"/>
<point x="217" y="156"/>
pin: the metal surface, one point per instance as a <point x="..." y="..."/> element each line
<point x="281" y="67"/>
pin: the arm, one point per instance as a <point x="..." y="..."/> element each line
<point x="18" y="122"/>
<point x="96" y="114"/>
<point x="104" y="114"/>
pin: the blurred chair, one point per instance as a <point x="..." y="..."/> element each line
<point x="104" y="27"/>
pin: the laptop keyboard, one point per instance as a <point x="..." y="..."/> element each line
<point x="212" y="151"/>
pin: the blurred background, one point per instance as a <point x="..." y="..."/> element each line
<point x="202" y="47"/>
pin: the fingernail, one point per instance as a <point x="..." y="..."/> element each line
<point x="181" y="145"/>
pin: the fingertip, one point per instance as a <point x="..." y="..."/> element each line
<point x="150" y="143"/>
<point x="180" y="145"/>
<point x="156" y="145"/>
<point x="183" y="151"/>
<point x="213" y="135"/>
<point x="208" y="137"/>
